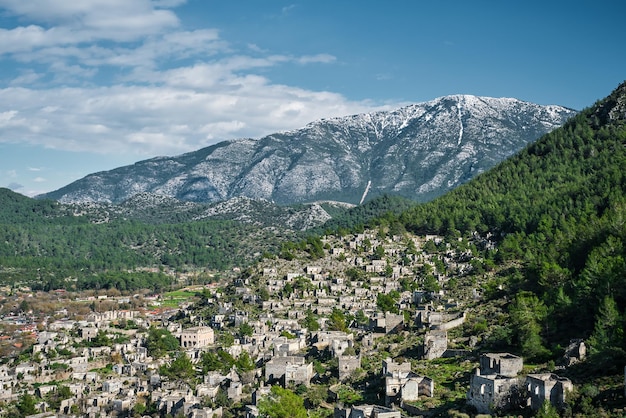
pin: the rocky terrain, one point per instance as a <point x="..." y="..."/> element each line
<point x="419" y="151"/>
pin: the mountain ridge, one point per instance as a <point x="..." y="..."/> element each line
<point x="418" y="151"/>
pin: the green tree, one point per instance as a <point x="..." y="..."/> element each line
<point x="282" y="403"/>
<point x="227" y="361"/>
<point x="386" y="303"/>
<point x="310" y="321"/>
<point x="361" y="318"/>
<point x="337" y="321"/>
<point x="287" y="334"/>
<point x="354" y="273"/>
<point x="225" y="339"/>
<point x="527" y="313"/>
<point x="430" y="247"/>
<point x="608" y="331"/>
<point x="100" y="340"/>
<point x="139" y="409"/>
<point x="348" y="395"/>
<point x="315" y="395"/>
<point x="160" y="341"/>
<point x="244" y="362"/>
<point x="547" y="410"/>
<point x="26" y="404"/>
<point x="210" y="362"/>
<point x="245" y="330"/>
<point x="431" y="284"/>
<point x="54" y="398"/>
<point x="180" y="368"/>
<point x="264" y="293"/>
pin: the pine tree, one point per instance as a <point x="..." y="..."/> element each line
<point x="608" y="331"/>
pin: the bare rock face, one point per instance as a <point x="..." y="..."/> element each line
<point x="419" y="151"/>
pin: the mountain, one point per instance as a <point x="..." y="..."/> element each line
<point x="419" y="152"/>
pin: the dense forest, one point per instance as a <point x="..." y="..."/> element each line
<point x="372" y="211"/>
<point x="40" y="244"/>
<point x="558" y="212"/>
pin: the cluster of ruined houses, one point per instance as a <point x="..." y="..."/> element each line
<point x="279" y="358"/>
<point x="494" y="385"/>
<point x="134" y="374"/>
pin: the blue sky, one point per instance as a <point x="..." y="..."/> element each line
<point x="91" y="85"/>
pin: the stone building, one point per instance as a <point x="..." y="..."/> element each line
<point x="88" y="333"/>
<point x="336" y="341"/>
<point x="503" y="364"/>
<point x="547" y="386"/>
<point x="289" y="369"/>
<point x="338" y="347"/>
<point x="348" y="365"/>
<point x="575" y="352"/>
<point x="401" y="386"/>
<point x="197" y="337"/>
<point x="390" y="366"/>
<point x="366" y="411"/>
<point x="286" y="347"/>
<point x="494" y="385"/>
<point x="435" y="344"/>
<point x="387" y="323"/>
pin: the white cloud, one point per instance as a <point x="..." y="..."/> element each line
<point x="319" y="58"/>
<point x="161" y="119"/>
<point x="384" y="76"/>
<point x="27" y="77"/>
<point x="168" y="3"/>
<point x="67" y="23"/>
<point x="28" y="38"/>
<point x="287" y="9"/>
<point x="168" y="90"/>
<point x="93" y="13"/>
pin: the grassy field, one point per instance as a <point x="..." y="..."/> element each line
<point x="176" y="297"/>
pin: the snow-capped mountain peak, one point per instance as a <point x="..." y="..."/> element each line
<point x="418" y="151"/>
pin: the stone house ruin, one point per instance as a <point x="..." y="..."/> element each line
<point x="386" y="323"/>
<point x="494" y="384"/>
<point x="547" y="386"/>
<point x="390" y="366"/>
<point x="503" y="364"/>
<point x="435" y="344"/>
<point x="348" y="365"/>
<point x="289" y="369"/>
<point x="366" y="411"/>
<point x="402" y="385"/>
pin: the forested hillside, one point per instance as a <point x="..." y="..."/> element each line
<point x="558" y="212"/>
<point x="49" y="245"/>
<point x="375" y="210"/>
<point x="44" y="245"/>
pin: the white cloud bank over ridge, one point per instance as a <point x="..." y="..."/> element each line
<point x="122" y="76"/>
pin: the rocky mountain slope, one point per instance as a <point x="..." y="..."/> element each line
<point x="419" y="151"/>
<point x="158" y="209"/>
